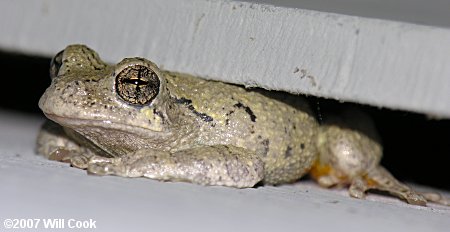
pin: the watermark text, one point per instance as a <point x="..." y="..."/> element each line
<point x="48" y="223"/>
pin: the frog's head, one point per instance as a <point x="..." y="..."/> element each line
<point x="96" y="99"/>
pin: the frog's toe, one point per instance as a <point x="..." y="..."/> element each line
<point x="101" y="159"/>
<point x="414" y="198"/>
<point x="79" y="162"/>
<point x="109" y="166"/>
<point x="328" y="181"/>
<point x="358" y="188"/>
<point x="61" y="155"/>
<point x="436" y="198"/>
<point x="75" y="159"/>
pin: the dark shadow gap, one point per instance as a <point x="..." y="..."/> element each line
<point x="416" y="149"/>
<point x="24" y="79"/>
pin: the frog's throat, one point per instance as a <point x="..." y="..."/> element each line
<point x="76" y="123"/>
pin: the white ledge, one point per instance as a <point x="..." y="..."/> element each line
<point x="35" y="188"/>
<point x="350" y="58"/>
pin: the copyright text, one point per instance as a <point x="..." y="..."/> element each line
<point x="48" y="223"/>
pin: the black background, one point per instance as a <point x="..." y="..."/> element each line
<point x="416" y="149"/>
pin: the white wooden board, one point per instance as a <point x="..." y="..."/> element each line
<point x="372" y="61"/>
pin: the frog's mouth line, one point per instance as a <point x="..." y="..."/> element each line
<point x="75" y="123"/>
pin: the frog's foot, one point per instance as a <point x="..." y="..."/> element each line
<point x="214" y="165"/>
<point x="380" y="179"/>
<point x="75" y="159"/>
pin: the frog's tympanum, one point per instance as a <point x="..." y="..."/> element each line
<point x="133" y="119"/>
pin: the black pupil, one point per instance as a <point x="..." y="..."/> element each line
<point x="137" y="82"/>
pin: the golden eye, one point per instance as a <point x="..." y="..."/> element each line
<point x="137" y="84"/>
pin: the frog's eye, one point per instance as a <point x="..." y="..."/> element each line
<point x="55" y="64"/>
<point x="137" y="84"/>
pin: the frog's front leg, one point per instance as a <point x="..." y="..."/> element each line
<point x="213" y="165"/>
<point x="54" y="143"/>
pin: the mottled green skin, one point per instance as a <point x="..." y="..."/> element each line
<point x="281" y="132"/>
<point x="188" y="113"/>
<point x="204" y="132"/>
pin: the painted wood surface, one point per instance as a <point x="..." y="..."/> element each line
<point x="399" y="65"/>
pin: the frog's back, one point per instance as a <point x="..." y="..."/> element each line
<point x="279" y="127"/>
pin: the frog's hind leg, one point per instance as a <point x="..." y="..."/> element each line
<point x="350" y="154"/>
<point x="213" y="165"/>
<point x="379" y="178"/>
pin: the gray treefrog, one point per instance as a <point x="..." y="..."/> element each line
<point x="133" y="119"/>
